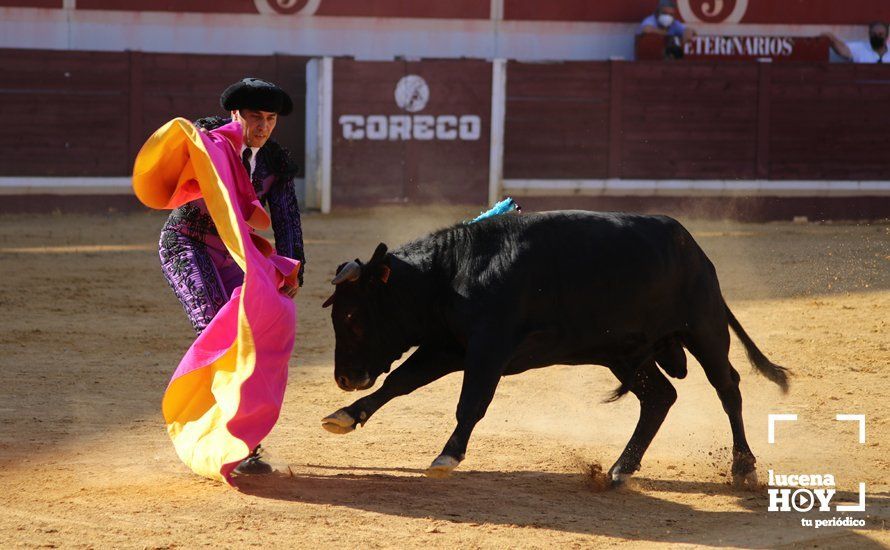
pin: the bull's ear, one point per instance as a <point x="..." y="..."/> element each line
<point x="379" y="254"/>
<point x="379" y="264"/>
<point x="328" y="302"/>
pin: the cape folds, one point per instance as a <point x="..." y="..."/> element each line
<point x="226" y="394"/>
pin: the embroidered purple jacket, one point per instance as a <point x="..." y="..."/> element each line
<point x="193" y="258"/>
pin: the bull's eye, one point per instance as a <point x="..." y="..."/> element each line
<point x="355" y="328"/>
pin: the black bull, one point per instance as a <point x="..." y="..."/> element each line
<point x="518" y="292"/>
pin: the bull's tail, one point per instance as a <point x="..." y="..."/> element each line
<point x="764" y="366"/>
<point x="618" y="393"/>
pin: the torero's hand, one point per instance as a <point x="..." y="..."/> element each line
<point x="290" y="291"/>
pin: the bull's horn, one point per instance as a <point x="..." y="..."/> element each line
<point x="350" y="272"/>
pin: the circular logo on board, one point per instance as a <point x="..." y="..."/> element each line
<point x="412" y="93"/>
<point x="712" y="11"/>
<point x="287" y="7"/>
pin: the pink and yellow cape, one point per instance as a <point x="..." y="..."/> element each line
<point x="226" y="394"/>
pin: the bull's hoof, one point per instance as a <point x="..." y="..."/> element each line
<point x="745" y="481"/>
<point x="620" y="473"/>
<point x="341" y="422"/>
<point x="442" y="467"/>
<point x="618" y="479"/>
<point x="744" y="471"/>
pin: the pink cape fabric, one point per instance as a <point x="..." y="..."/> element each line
<point x="227" y="392"/>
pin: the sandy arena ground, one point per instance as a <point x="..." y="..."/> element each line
<point x="90" y="333"/>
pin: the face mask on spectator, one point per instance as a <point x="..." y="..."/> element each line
<point x="665" y="20"/>
<point x="877" y="41"/>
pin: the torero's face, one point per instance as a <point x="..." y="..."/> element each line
<point x="257" y="125"/>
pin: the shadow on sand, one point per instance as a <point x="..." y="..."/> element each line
<point x="564" y="502"/>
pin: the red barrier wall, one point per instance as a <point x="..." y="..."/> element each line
<point x="794" y="12"/>
<point x="687" y="121"/>
<point x="557" y="120"/>
<point x="69" y="112"/>
<point x="454" y="9"/>
<point x="788" y="12"/>
<point x="31" y="4"/>
<point x="697" y="120"/>
<point x="88" y="113"/>
<point x="829" y="122"/>
<point x="443" y="160"/>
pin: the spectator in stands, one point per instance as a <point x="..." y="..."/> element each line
<point x="664" y="22"/>
<point x="873" y="51"/>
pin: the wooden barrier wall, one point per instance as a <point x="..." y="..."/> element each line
<point x="444" y="155"/>
<point x="828" y="122"/>
<point x="555" y="121"/>
<point x="88" y="113"/>
<point x="65" y="113"/>
<point x="658" y="120"/>
<point x="686" y="121"/>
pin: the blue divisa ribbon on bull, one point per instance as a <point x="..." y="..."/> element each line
<point x="503" y="207"/>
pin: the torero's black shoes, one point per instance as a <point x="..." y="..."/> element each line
<point x="253" y="465"/>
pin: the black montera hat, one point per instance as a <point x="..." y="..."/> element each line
<point x="253" y="93"/>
